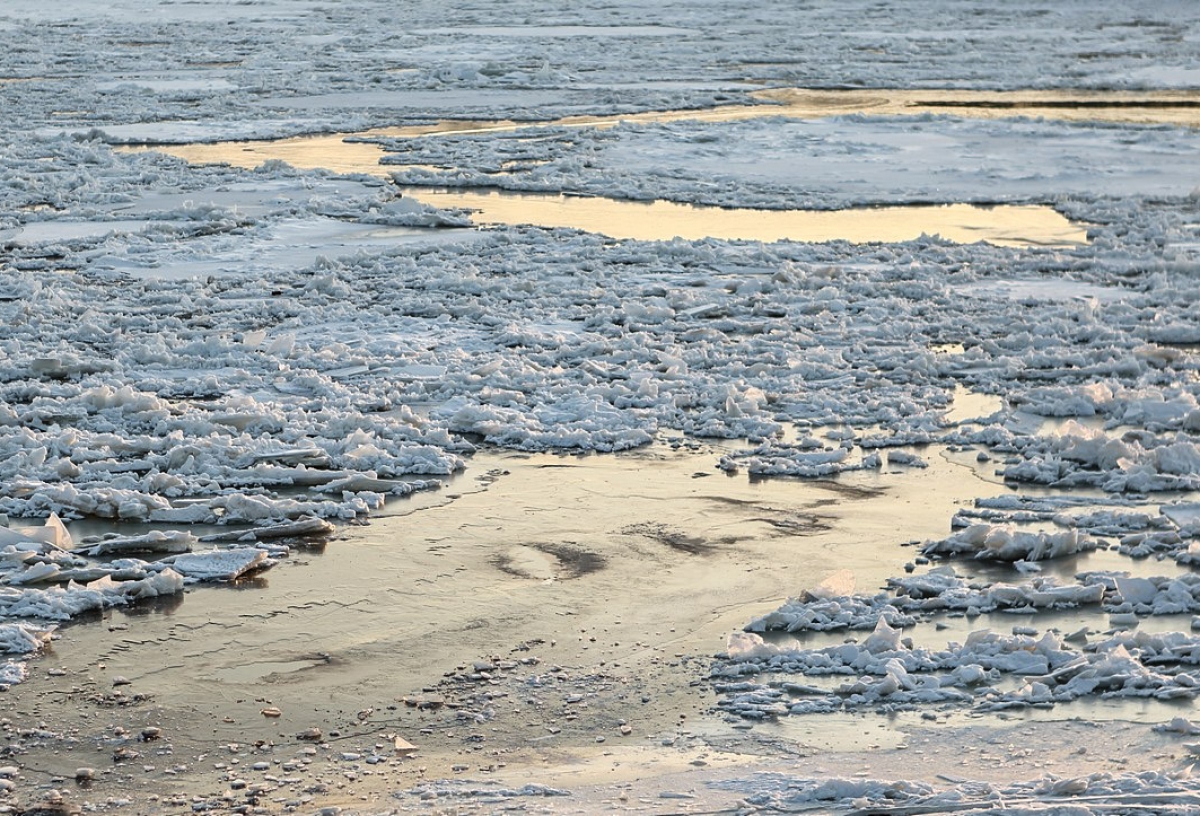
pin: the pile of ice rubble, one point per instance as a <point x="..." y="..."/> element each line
<point x="45" y="577"/>
<point x="988" y="671"/>
<point x="1150" y="792"/>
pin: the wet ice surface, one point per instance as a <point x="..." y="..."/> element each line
<point x="227" y="359"/>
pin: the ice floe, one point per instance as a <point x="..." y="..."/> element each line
<point x="1161" y="792"/>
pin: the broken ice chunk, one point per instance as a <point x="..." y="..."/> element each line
<point x="166" y="582"/>
<point x="53" y="533"/>
<point x="1179" y="725"/>
<point x="838" y="584"/>
<point x="1186" y="515"/>
<point x="33" y="574"/>
<point x="311" y="456"/>
<point x="220" y="565"/>
<point x="301" y="528"/>
<point x="172" y="541"/>
<point x="22" y="638"/>
<point x="1004" y="543"/>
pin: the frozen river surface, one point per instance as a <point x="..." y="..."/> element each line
<point x="334" y="478"/>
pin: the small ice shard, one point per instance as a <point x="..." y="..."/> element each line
<point x="1190" y="556"/>
<point x="1066" y="787"/>
<point x="1179" y="725"/>
<point x="1078" y="636"/>
<point x="356" y="482"/>
<point x="83" y="575"/>
<point x="220" y="565"/>
<point x="906" y="459"/>
<point x="970" y="674"/>
<point x="838" y="584"/>
<point x="1184" y="514"/>
<point x="310" y="455"/>
<point x="347" y="372"/>
<point x="301" y="528"/>
<point x="746" y="646"/>
<point x="1136" y="590"/>
<point x="33" y="574"/>
<point x="883" y="639"/>
<point x="1123" y="620"/>
<point x="166" y="582"/>
<point x="170" y="541"/>
<point x="54" y="534"/>
<point x="282" y="345"/>
<point x="22" y="638"/>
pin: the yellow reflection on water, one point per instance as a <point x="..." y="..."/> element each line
<point x="342" y="153"/>
<point x="1007" y="225"/>
<point x="661" y="220"/>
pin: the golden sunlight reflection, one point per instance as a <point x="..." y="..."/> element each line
<point x="1001" y="225"/>
<point x="661" y="220"/>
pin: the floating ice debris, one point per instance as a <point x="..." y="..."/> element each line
<point x="897" y="457"/>
<point x="777" y="459"/>
<point x="1154" y="595"/>
<point x="893" y="673"/>
<point x="1179" y="725"/>
<point x="825" y="614"/>
<point x="23" y="638"/>
<point x="1185" y="515"/>
<point x="33" y="574"/>
<point x="164" y="582"/>
<point x="311" y="456"/>
<point x="53" y="603"/>
<point x="1079" y="456"/>
<point x="1191" y="556"/>
<point x="1157" y="792"/>
<point x="219" y="565"/>
<point x="917" y="597"/>
<point x="53" y="533"/>
<point x="481" y="792"/>
<point x="302" y="528"/>
<point x="936" y="591"/>
<point x="240" y="508"/>
<point x="1006" y="543"/>
<point x="839" y="584"/>
<point x="408" y="212"/>
<point x="12" y="672"/>
<point x="173" y="541"/>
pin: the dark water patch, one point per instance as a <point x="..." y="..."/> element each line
<point x="673" y="538"/>
<point x="799" y="524"/>
<point x="548" y="562"/>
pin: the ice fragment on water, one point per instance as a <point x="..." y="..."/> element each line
<point x="173" y="541"/>
<point x="220" y="565"/>
<point x="1006" y="543"/>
